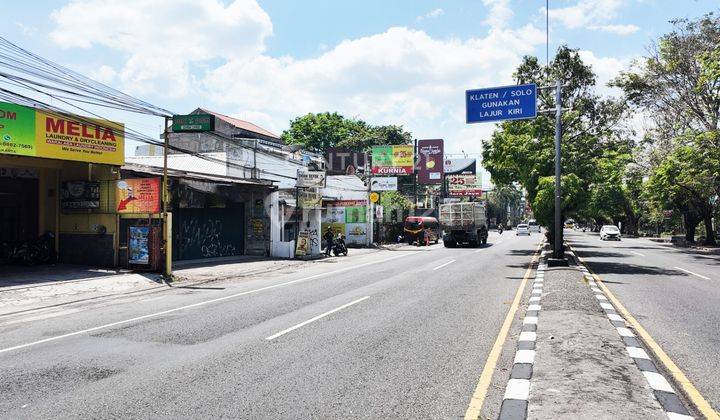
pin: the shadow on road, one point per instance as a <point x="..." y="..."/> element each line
<point x="606" y="267"/>
<point x="601" y="254"/>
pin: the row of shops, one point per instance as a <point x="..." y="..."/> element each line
<point x="235" y="193"/>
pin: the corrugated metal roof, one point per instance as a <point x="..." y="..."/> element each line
<point x="185" y="162"/>
<point x="245" y="125"/>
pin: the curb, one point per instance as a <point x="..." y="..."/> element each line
<point x="517" y="391"/>
<point x="663" y="391"/>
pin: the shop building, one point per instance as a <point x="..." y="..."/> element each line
<point x="239" y="150"/>
<point x="57" y="173"/>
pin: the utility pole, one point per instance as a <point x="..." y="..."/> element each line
<point x="371" y="211"/>
<point x="167" y="222"/>
<point x="558" y="252"/>
<point x="415" y="191"/>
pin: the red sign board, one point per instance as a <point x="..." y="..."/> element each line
<point x="138" y="195"/>
<point x="430" y="163"/>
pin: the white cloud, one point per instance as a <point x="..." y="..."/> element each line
<point x="616" y="29"/>
<point x="163" y="38"/>
<point x="593" y="15"/>
<point x="606" y="69"/>
<point x="431" y="14"/>
<point x="499" y="13"/>
<point x="25" y="29"/>
<point x="398" y="76"/>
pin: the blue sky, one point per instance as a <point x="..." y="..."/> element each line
<point x="388" y="62"/>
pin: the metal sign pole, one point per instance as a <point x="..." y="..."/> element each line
<point x="558" y="251"/>
<point x="167" y="228"/>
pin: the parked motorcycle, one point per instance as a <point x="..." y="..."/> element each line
<point x="39" y="251"/>
<point x="339" y="246"/>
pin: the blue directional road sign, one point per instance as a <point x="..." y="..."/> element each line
<point x="501" y="103"/>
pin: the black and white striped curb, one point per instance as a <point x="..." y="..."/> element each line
<point x="663" y="391"/>
<point x="517" y="391"/>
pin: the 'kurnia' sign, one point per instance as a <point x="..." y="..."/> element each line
<point x="501" y="103"/>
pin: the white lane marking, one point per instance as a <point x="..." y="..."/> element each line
<point x="527" y="336"/>
<point x="658" y="382"/>
<point x="694" y="274"/>
<point x="615" y="317"/>
<point x="533" y="307"/>
<point x="600" y="297"/>
<point x="625" y="332"/>
<point x="517" y="389"/>
<point x="443" y="265"/>
<point x="195" y="305"/>
<point x="534" y="299"/>
<point x="605" y="305"/>
<point x="315" y="318"/>
<point x="678" y="416"/>
<point x="637" y="253"/>
<point x="530" y="320"/>
<point x="525" y="356"/>
<point x="637" y="353"/>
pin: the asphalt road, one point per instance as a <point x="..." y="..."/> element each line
<point x="673" y="293"/>
<point x="401" y="333"/>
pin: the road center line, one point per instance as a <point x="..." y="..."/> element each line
<point x="637" y="253"/>
<point x="443" y="265"/>
<point x="694" y="274"/>
<point x="195" y="305"/>
<point x="313" y="319"/>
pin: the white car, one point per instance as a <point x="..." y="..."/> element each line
<point x="609" y="233"/>
<point x="522" y="229"/>
<point x="533" y="226"/>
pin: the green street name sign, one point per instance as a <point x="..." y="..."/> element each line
<point x="193" y="123"/>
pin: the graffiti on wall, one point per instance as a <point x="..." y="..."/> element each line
<point x="204" y="238"/>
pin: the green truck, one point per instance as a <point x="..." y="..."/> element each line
<point x="463" y="223"/>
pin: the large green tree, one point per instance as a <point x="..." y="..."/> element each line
<point x="594" y="132"/>
<point x="317" y="132"/>
<point x="678" y="86"/>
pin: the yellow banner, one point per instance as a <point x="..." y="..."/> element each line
<point x="81" y="139"/>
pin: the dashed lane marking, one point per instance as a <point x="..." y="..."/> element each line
<point x="195" y="305"/>
<point x="694" y="274"/>
<point x="637" y="253"/>
<point x="315" y="318"/>
<point x="443" y="265"/>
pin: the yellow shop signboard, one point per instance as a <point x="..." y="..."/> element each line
<point x="31" y="132"/>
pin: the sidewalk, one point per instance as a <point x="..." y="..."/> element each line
<point x="24" y="290"/>
<point x="576" y="358"/>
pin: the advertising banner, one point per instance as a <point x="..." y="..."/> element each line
<point x="303" y="244"/>
<point x="139" y="245"/>
<point x="17" y="130"/>
<point x="464" y="186"/>
<point x="356" y="233"/>
<point x="310" y="199"/>
<point x="139" y="195"/>
<point x="392" y="160"/>
<point x="356" y="214"/>
<point x="79" y="195"/>
<point x="28" y="132"/>
<point x="73" y="138"/>
<point x="385" y="183"/>
<point x="342" y="161"/>
<point x="335" y="215"/>
<point x="460" y="166"/>
<point x="310" y="179"/>
<point x="430" y="161"/>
